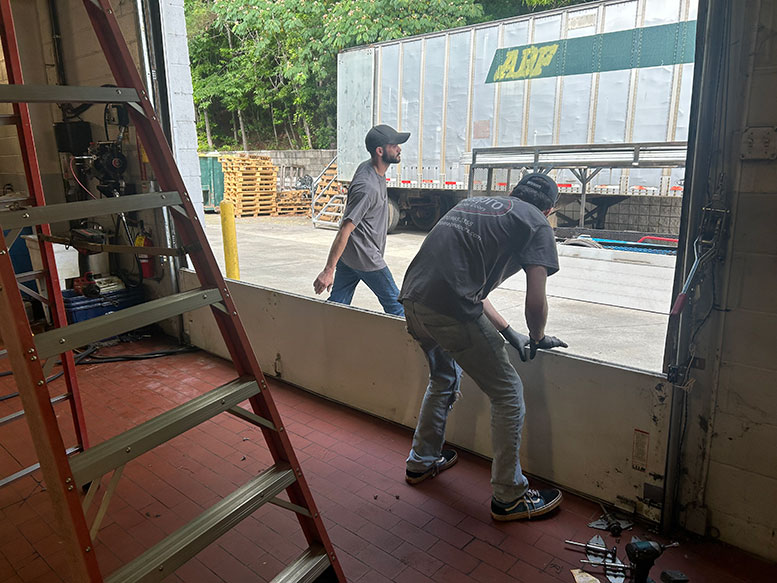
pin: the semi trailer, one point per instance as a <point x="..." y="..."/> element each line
<point x="599" y="73"/>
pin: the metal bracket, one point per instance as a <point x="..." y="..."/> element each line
<point x="759" y="144"/>
<point x="137" y="107"/>
<point x="675" y="373"/>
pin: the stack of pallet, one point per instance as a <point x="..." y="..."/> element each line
<point x="250" y="183"/>
<point x="328" y="187"/>
<point x="293" y="203"/>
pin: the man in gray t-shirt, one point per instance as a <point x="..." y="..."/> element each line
<point x="476" y="246"/>
<point x="357" y="251"/>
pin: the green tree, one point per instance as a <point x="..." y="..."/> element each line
<point x="203" y="55"/>
<point x="269" y="67"/>
<point x="496" y="9"/>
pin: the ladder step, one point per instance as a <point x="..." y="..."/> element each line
<point x="9" y="202"/>
<point x="20" y="413"/>
<point x="325" y="224"/>
<point x="30" y="275"/>
<point x="66" y="338"/>
<point x="70" y="211"/>
<point x="163" y="559"/>
<point x="8" y="119"/>
<point x="117" y="451"/>
<point x="251" y="417"/>
<point x="66" y="94"/>
<point x="305" y="568"/>
<point x="28" y="470"/>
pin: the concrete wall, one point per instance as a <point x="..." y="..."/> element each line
<point x="35" y="46"/>
<point x="180" y="91"/>
<point x="727" y="419"/>
<point x="742" y="480"/>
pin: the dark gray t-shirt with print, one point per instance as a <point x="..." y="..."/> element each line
<point x="476" y="246"/>
<point x="367" y="208"/>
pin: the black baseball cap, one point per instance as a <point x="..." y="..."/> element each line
<point x="543" y="184"/>
<point x="381" y="135"/>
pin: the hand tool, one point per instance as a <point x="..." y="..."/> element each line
<point x="610" y="523"/>
<point x="643" y="555"/>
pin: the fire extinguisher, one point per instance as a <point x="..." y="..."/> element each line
<point x="146" y="262"/>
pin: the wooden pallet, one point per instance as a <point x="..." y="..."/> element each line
<point x="293" y="203"/>
<point x="249" y="191"/>
<point x="262" y="210"/>
<point x="250" y="184"/>
<point x="253" y="205"/>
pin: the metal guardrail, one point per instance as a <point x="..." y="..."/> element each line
<point x="333" y="208"/>
<point x="627" y="155"/>
<point x="585" y="161"/>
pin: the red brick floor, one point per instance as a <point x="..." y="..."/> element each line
<point x="384" y="530"/>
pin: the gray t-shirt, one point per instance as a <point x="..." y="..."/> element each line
<point x="367" y="208"/>
<point x="476" y="246"/>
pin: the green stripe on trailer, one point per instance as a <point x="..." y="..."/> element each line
<point x="653" y="46"/>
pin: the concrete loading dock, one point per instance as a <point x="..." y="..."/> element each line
<point x="610" y="306"/>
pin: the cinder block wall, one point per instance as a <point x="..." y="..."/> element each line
<point x="85" y="65"/>
<point x="644" y="214"/>
<point x="742" y="478"/>
<point x="180" y="97"/>
<point x="35" y="46"/>
<point x="313" y="161"/>
<point x="654" y="214"/>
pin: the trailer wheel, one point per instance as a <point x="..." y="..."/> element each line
<point x="425" y="217"/>
<point x="393" y="216"/>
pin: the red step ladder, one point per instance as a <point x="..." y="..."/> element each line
<point x="31" y="355"/>
<point x="49" y="293"/>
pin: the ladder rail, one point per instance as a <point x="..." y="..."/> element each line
<point x="235" y="337"/>
<point x="35" y="184"/>
<point x="42" y="420"/>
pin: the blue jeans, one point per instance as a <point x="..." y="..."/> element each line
<point x="477" y="348"/>
<point x="381" y="282"/>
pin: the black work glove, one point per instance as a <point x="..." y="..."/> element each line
<point x="519" y="341"/>
<point x="546" y="343"/>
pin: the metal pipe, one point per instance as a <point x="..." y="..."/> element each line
<point x="606" y="565"/>
<point x="56" y="38"/>
<point x="583" y="191"/>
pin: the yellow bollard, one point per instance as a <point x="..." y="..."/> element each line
<point x="229" y="236"/>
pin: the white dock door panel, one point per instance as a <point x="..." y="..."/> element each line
<point x="355" y="83"/>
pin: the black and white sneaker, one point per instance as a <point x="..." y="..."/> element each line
<point x="532" y="504"/>
<point x="448" y="459"/>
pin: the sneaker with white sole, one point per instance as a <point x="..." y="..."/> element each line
<point x="532" y="504"/>
<point x="448" y="459"/>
